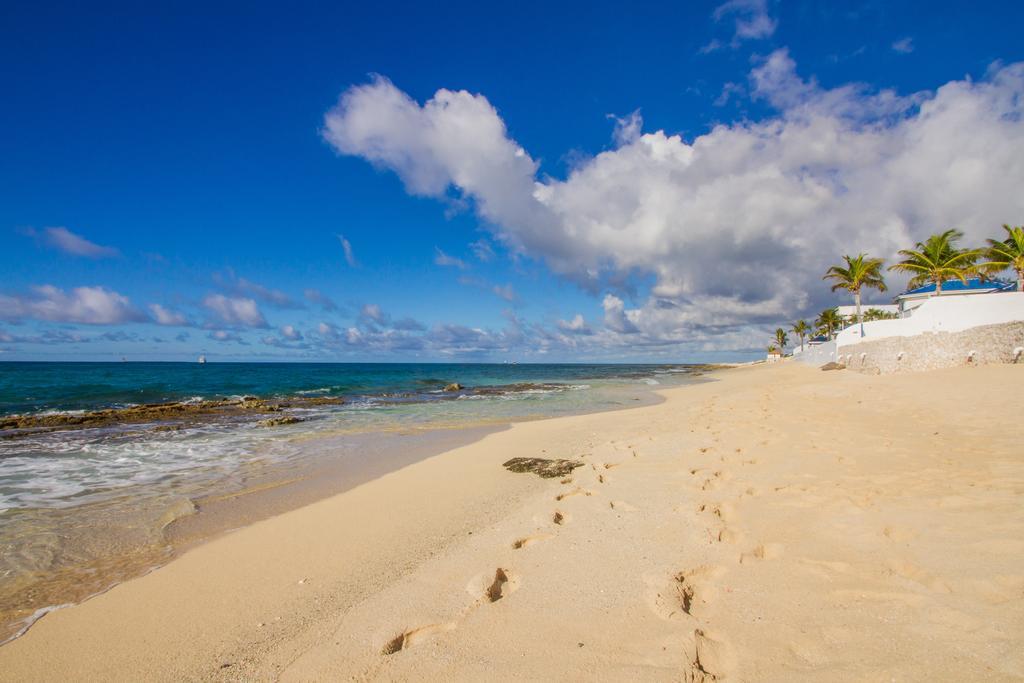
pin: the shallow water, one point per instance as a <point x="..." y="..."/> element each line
<point x="83" y="509"/>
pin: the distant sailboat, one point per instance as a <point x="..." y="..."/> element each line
<point x="202" y="359"/>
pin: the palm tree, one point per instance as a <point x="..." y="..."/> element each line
<point x="937" y="260"/>
<point x="828" y="320"/>
<point x="801" y="328"/>
<point x="1006" y="254"/>
<point x="860" y="271"/>
<point x="781" y="340"/>
<point x="878" y="314"/>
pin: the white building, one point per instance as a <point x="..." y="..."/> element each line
<point x="911" y="299"/>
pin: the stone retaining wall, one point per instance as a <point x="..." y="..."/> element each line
<point x="932" y="350"/>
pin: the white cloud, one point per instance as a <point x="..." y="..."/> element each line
<point x="240" y="286"/>
<point x="483" y="250"/>
<point x="346" y="246"/>
<point x="374" y="313"/>
<point x="729" y="90"/>
<point x="627" y="129"/>
<point x="289" y="332"/>
<point x="166" y="316"/>
<point x="736" y="226"/>
<point x="575" y="326"/>
<point x="70" y="243"/>
<point x="225" y="336"/>
<point x="235" y="311"/>
<point x="903" y="46"/>
<point x="327" y="332"/>
<point x="751" y="21"/>
<point x="506" y="292"/>
<point x="443" y="259"/>
<point x="89" y="305"/>
<point x="317" y="297"/>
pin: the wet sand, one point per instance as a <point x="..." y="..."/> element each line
<point x="779" y="523"/>
<point x="62" y="556"/>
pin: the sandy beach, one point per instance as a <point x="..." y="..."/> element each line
<point x="775" y="523"/>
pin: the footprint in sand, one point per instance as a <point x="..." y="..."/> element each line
<point x="488" y="588"/>
<point x="527" y="541"/>
<point x="713" y="658"/>
<point x="712" y="482"/>
<point x="689" y="592"/>
<point x="764" y="551"/>
<point x="725" y="514"/>
<point x="574" y="492"/>
<point x="622" y="506"/>
<point x="724" y="511"/>
<point x="411" y="638"/>
<point x="502" y="585"/>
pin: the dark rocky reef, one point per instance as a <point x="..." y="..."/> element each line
<point x="174" y="412"/>
<point x="282" y="420"/>
<point x="542" y="467"/>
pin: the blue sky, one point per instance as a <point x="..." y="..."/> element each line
<point x="661" y="182"/>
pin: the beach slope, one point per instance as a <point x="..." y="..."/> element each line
<point x="776" y="523"/>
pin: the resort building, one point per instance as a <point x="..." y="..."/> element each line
<point x="911" y="299"/>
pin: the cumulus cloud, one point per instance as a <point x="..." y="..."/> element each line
<point x="374" y="314"/>
<point x="289" y="332"/>
<point x="734" y="227"/>
<point x="62" y="239"/>
<point x="443" y="259"/>
<point x="750" y="21"/>
<point x="346" y="247"/>
<point x="289" y="338"/>
<point x="88" y="305"/>
<point x="167" y="316"/>
<point x="225" y="336"/>
<point x="235" y="311"/>
<point x="578" y="325"/>
<point x="315" y="296"/>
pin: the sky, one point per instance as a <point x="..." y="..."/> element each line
<point x="532" y="182"/>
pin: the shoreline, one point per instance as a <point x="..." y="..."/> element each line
<point x="273" y="489"/>
<point x="689" y="518"/>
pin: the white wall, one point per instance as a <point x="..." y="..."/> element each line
<point x="846" y="311"/>
<point x="819" y="354"/>
<point x="942" y="314"/>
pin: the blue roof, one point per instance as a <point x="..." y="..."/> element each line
<point x="972" y="284"/>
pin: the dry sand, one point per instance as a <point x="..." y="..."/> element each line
<point x="776" y="524"/>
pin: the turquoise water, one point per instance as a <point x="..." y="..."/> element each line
<point x="81" y="509"/>
<point x="31" y="387"/>
<point x="70" y="467"/>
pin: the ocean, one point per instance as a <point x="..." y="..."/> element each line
<point x="86" y="503"/>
